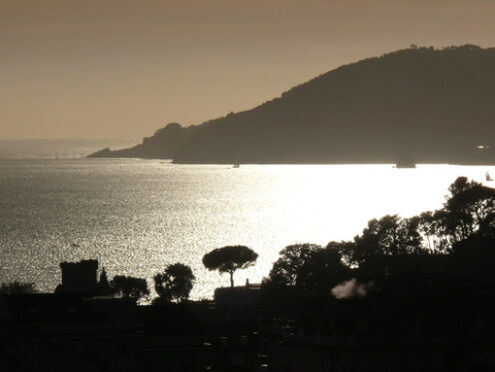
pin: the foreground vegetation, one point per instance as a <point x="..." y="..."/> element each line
<point x="455" y="238"/>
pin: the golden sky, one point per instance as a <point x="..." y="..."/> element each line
<point x="120" y="69"/>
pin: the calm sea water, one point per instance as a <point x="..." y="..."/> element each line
<point x="56" y="149"/>
<point x="136" y="216"/>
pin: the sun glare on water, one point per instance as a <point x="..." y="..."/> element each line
<point x="136" y="216"/>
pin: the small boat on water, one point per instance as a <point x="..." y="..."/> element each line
<point x="488" y="177"/>
<point x="236" y="163"/>
<point x="404" y="164"/>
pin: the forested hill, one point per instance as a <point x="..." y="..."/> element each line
<point x="421" y="105"/>
<point x="162" y="145"/>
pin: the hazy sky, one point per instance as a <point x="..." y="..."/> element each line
<point x="121" y="69"/>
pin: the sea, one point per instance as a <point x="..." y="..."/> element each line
<point x="136" y="216"/>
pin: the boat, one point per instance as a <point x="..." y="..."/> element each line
<point x="236" y="163"/>
<point x="406" y="164"/>
<point x="488" y="177"/>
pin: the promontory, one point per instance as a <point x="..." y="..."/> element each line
<point x="418" y="105"/>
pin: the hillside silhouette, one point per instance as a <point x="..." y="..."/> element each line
<point x="162" y="145"/>
<point x="417" y="105"/>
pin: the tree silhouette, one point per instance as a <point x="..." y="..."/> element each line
<point x="129" y="286"/>
<point x="469" y="209"/>
<point x="17" y="288"/>
<point x="229" y="259"/>
<point x="286" y="269"/>
<point x="390" y="235"/>
<point x="309" y="267"/>
<point x="103" y="288"/>
<point x="432" y="229"/>
<point x="324" y="269"/>
<point x="175" y="283"/>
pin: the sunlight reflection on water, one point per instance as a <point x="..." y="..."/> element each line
<point x="136" y="216"/>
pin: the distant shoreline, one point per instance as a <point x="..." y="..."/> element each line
<point x="417" y="105"/>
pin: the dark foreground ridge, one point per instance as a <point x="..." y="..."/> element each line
<point x="418" y="105"/>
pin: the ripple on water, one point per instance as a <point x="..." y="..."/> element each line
<point x="136" y="216"/>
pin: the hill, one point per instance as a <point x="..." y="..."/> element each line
<point x="421" y="105"/>
<point x="162" y="145"/>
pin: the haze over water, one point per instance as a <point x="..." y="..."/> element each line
<point x="136" y="216"/>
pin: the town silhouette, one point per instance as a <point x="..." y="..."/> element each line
<point x="407" y="294"/>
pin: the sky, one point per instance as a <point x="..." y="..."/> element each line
<point x="121" y="69"/>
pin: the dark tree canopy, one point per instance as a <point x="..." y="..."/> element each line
<point x="286" y="269"/>
<point x="103" y="287"/>
<point x="129" y="286"/>
<point x="390" y="235"/>
<point x="458" y="238"/>
<point x="229" y="259"/>
<point x="309" y="267"/>
<point x="175" y="283"/>
<point x="469" y="209"/>
<point x="17" y="288"/>
<point x="432" y="229"/>
<point x="323" y="271"/>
